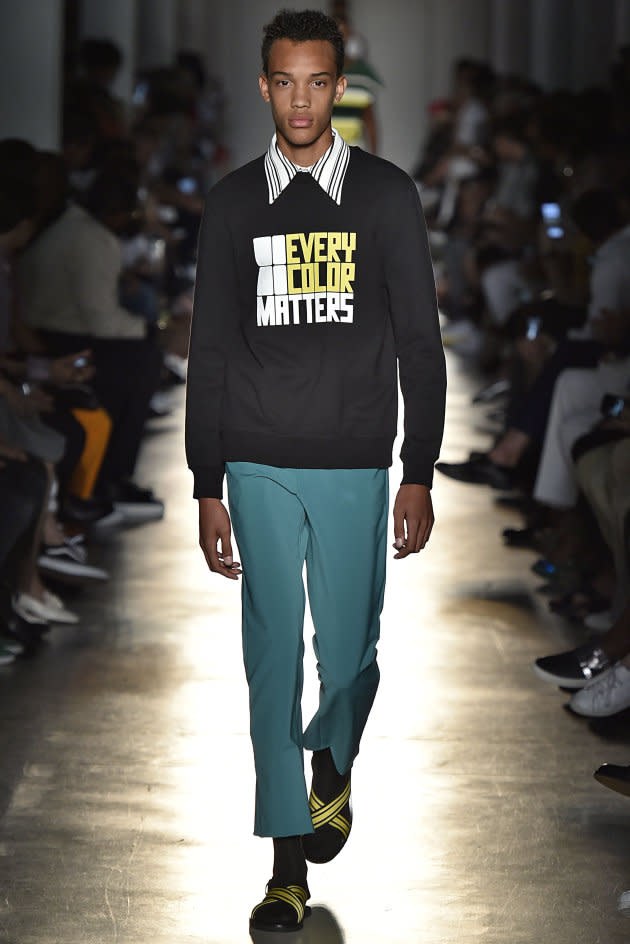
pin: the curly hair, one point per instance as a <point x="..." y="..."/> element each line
<point x="301" y="26"/>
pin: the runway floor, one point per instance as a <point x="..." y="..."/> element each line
<point x="126" y="777"/>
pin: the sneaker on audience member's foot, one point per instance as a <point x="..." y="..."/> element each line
<point x="62" y="566"/>
<point x="599" y="622"/>
<point x="136" y="504"/>
<point x="50" y="609"/>
<point x="606" y="695"/>
<point x="573" y="669"/>
<point x="6" y="657"/>
<point x="8" y="644"/>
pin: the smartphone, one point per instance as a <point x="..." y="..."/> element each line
<point x="187" y="185"/>
<point x="81" y="362"/>
<point x="552" y="216"/>
<point x="612" y="405"/>
<point x="533" y="327"/>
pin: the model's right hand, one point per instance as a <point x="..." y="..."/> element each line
<point x="215" y="531"/>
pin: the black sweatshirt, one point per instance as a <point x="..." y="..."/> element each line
<point x="302" y="310"/>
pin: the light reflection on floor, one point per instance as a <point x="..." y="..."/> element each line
<point x="127" y="777"/>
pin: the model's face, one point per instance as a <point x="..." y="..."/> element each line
<point x="302" y="86"/>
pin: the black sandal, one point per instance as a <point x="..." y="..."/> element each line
<point x="332" y="823"/>
<point x="282" y="909"/>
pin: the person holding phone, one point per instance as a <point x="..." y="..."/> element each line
<point x="308" y="298"/>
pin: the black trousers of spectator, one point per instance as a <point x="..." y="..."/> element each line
<point x="65" y="423"/>
<point x="22" y="493"/>
<point x="530" y="411"/>
<point x="126" y="377"/>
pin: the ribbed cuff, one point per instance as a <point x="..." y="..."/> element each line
<point x="208" y="481"/>
<point x="417" y="475"/>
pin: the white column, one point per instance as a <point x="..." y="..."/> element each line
<point x="460" y="28"/>
<point x="115" y="20"/>
<point x="593" y="44"/>
<point x="510" y="36"/>
<point x="30" y="71"/>
<point x="156" y="33"/>
<point x="622" y="22"/>
<point x="551" y="41"/>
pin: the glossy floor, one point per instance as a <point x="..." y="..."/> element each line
<point x="126" y="774"/>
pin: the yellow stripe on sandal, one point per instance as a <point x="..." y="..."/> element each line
<point x="332" y="822"/>
<point x="266" y="916"/>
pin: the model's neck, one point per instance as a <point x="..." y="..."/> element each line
<point x="306" y="156"/>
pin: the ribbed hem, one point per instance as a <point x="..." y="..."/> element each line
<point x="208" y="481"/>
<point x="290" y="452"/>
<point x="417" y="474"/>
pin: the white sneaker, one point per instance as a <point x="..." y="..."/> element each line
<point x="599" y="622"/>
<point x="606" y="695"/>
<point x="51" y="608"/>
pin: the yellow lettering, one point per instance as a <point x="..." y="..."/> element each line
<point x="347" y="276"/>
<point x="348" y="244"/>
<point x="291" y="273"/>
<point x="333" y="277"/>
<point x="319" y="270"/>
<point x="334" y="245"/>
<point x="308" y="278"/>
<point x="307" y="246"/>
<point x="320" y="247"/>
<point x="292" y="244"/>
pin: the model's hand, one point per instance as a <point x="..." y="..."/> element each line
<point x="215" y="531"/>
<point x="413" y="519"/>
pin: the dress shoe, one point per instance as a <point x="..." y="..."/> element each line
<point x="614" y="777"/>
<point x="479" y="470"/>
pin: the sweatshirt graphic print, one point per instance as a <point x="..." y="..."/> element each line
<point x="305" y="278"/>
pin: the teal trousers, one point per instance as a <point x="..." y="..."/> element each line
<point x="335" y="520"/>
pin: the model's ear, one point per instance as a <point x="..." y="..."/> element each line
<point x="340" y="87"/>
<point x="263" y="83"/>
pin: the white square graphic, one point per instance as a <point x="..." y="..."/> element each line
<point x="279" y="248"/>
<point x="265" y="280"/>
<point x="280" y="279"/>
<point x="262" y="251"/>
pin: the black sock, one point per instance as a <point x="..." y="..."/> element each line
<point x="289" y="864"/>
<point x="329" y="781"/>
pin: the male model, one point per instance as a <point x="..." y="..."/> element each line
<point x="314" y="284"/>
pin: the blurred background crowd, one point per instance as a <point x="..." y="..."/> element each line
<point x="97" y="266"/>
<point x="526" y="192"/>
<point x="527" y="197"/>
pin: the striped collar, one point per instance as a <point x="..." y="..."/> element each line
<point x="329" y="171"/>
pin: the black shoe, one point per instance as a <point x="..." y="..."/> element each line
<point x="136" y="504"/>
<point x="573" y="669"/>
<point x="282" y="909"/>
<point x="614" y="777"/>
<point x="331" y="810"/>
<point x="84" y="511"/>
<point x="479" y="470"/>
<point x="529" y="538"/>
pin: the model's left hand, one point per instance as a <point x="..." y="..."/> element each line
<point x="413" y="519"/>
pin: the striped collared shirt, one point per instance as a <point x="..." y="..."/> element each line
<point x="329" y="171"/>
